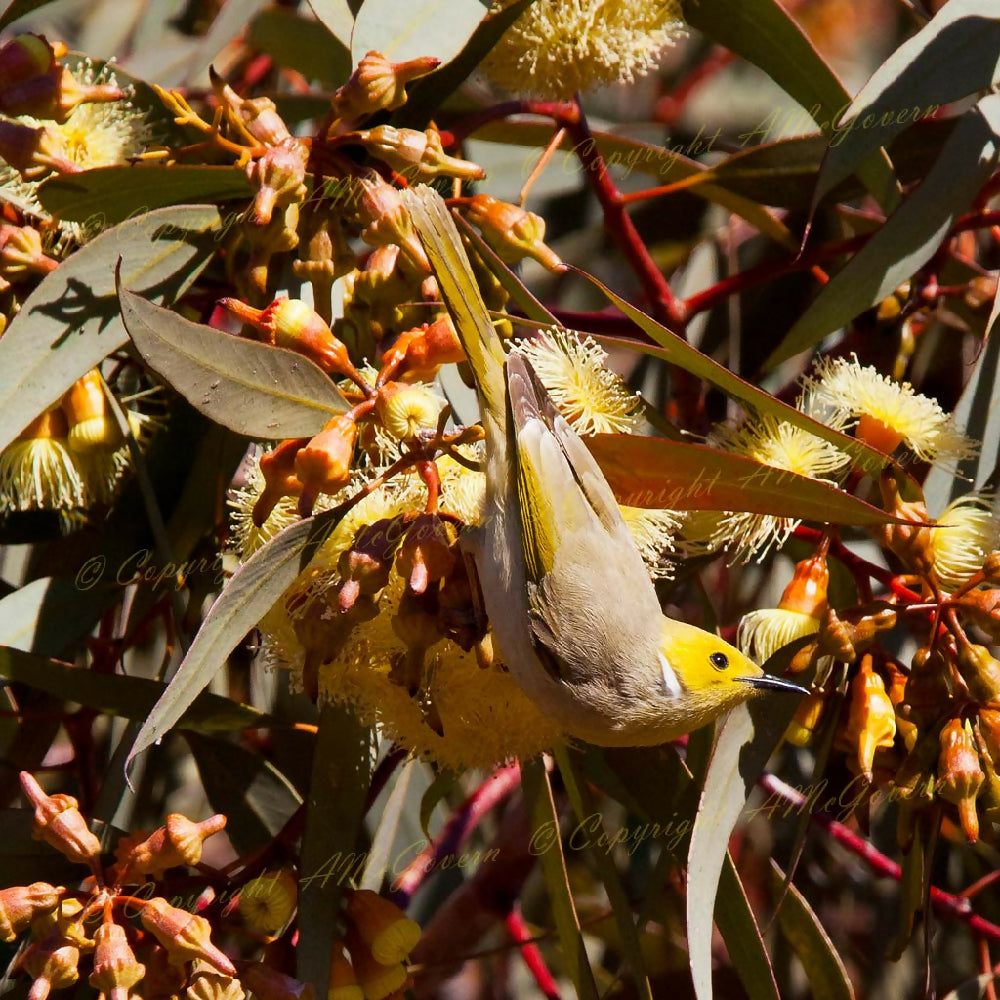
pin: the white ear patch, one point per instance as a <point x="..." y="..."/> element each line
<point x="670" y="682"/>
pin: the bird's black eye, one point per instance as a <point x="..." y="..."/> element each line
<point x="719" y="660"/>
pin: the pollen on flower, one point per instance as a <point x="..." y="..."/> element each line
<point x="654" y="533"/>
<point x="591" y="397"/>
<point x="884" y="412"/>
<point x="762" y="633"/>
<point x="557" y="47"/>
<point x="969" y="532"/>
<point x="37" y="471"/>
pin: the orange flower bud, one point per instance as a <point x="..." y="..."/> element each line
<point x="983" y="606"/>
<point x="343" y="983"/>
<point x="419" y="353"/>
<point x="207" y="984"/>
<point x="385" y="929"/>
<point x="458" y="616"/>
<point x="266" y="983"/>
<point x="33" y="152"/>
<point x="162" y="979"/>
<point x="981" y="672"/>
<point x="296" y="326"/>
<point x="379" y="208"/>
<point x="185" y="936"/>
<point x="21" y="904"/>
<point x="378" y="85"/>
<point x="417" y="155"/>
<point x="54" y="95"/>
<point x="24" y="57"/>
<point x="929" y="689"/>
<point x="279" y="177"/>
<point x="179" y="842"/>
<point x="991" y="568"/>
<point x="511" y="231"/>
<point x="426" y="553"/>
<point x="415" y="623"/>
<point x="802" y="728"/>
<point x="405" y="411"/>
<point x="911" y="542"/>
<point x="60" y="824"/>
<point x="92" y="426"/>
<point x="871" y="722"/>
<point x="21" y="253"/>
<point x="258" y="115"/>
<point x="806" y="593"/>
<point x="323" y="465"/>
<point x="52" y="963"/>
<point x="959" y="774"/>
<point x="846" y="638"/>
<point x="378" y="981"/>
<point x="278" y="469"/>
<point x="324" y="254"/>
<point x="116" y="969"/>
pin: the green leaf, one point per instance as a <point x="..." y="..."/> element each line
<point x="302" y="44"/>
<point x="746" y="739"/>
<point x="911" y="236"/>
<point x="70" y="322"/>
<point x="547" y="845"/>
<point x="952" y="56"/>
<point x="341" y="777"/>
<point x="825" y="971"/>
<point x="656" y="473"/>
<point x="115" y="694"/>
<point x="978" y="412"/>
<point x="438" y="28"/>
<point x="248" y="596"/>
<point x="678" y="351"/>
<point x="585" y="809"/>
<point x="19" y="8"/>
<point x="336" y="17"/>
<point x="666" y="165"/>
<point x="109" y="195"/>
<point x="255" y="796"/>
<point x="762" y="33"/>
<point x="48" y="615"/>
<point x="249" y="387"/>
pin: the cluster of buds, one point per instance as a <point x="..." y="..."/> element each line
<point x="99" y="924"/>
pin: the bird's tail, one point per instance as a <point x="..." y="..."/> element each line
<point x="437" y="231"/>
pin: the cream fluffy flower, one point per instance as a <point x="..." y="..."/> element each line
<point x="557" y="47"/>
<point x="969" y="532"/>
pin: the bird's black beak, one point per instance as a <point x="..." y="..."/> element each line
<point x="773" y="684"/>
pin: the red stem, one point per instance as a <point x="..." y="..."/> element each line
<point x="456" y="832"/>
<point x="956" y="907"/>
<point x="531" y="954"/>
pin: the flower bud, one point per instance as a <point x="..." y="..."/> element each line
<point x="33" y="152"/>
<point x="296" y="326"/>
<point x="871" y="722"/>
<point x="52" y="963"/>
<point x="21" y="904"/>
<point x="405" y="411"/>
<point x="24" y="57"/>
<point x="427" y="552"/>
<point x="991" y="569"/>
<point x="847" y="638"/>
<point x="324" y="255"/>
<point x="365" y="566"/>
<point x="981" y="673"/>
<point x="417" y="354"/>
<point x="185" y="936"/>
<point x="60" y="824"/>
<point x="959" y="774"/>
<point x="378" y="85"/>
<point x="21" y="254"/>
<point x="268" y="902"/>
<point x="929" y="691"/>
<point x="279" y="178"/>
<point x="378" y="981"/>
<point x="415" y="623"/>
<point x="323" y="465"/>
<point x="277" y="237"/>
<point x="92" y="426"/>
<point x="458" y="617"/>
<point x="54" y="95"/>
<point x="179" y="842"/>
<point x="258" y="115"/>
<point x="266" y="983"/>
<point x="207" y="984"/>
<point x="343" y="983"/>
<point x="379" y="208"/>
<point x="116" y="969"/>
<point x="913" y="542"/>
<point x="512" y="232"/>
<point x="278" y="469"/>
<point x="801" y="730"/>
<point x="162" y="978"/>
<point x="982" y="605"/>
<point x="389" y="933"/>
<point x="418" y="156"/>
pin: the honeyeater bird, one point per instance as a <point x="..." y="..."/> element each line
<point x="571" y="604"/>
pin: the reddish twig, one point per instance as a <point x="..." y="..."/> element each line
<point x="456" y="832"/>
<point x="956" y="907"/>
<point x="531" y="954"/>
